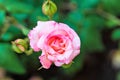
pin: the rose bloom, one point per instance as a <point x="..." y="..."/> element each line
<point x="59" y="43"/>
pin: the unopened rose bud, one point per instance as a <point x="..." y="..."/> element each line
<point x="19" y="45"/>
<point x="49" y="8"/>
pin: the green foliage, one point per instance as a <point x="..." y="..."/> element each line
<point x="32" y="60"/>
<point x="112" y="21"/>
<point x="8" y="36"/>
<point x="2" y="17"/>
<point x="73" y="22"/>
<point x="16" y="7"/>
<point x="116" y="34"/>
<point x="84" y="16"/>
<point x="90" y="34"/>
<point x="91" y="40"/>
<point x="86" y="5"/>
<point x="11" y="33"/>
<point x="118" y="76"/>
<point x="111" y="6"/>
<point x="9" y="60"/>
<point x="25" y="31"/>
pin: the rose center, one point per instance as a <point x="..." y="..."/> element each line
<point x="57" y="44"/>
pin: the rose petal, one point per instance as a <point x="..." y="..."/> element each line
<point x="46" y="63"/>
<point x="72" y="56"/>
<point x="46" y="27"/>
<point x="76" y="43"/>
<point x="58" y="63"/>
<point x="41" y="42"/>
<point x="33" y="39"/>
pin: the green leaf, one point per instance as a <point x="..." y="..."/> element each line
<point x="7" y="36"/>
<point x="20" y="16"/>
<point x="112" y="21"/>
<point x="2" y="16"/>
<point x="16" y="32"/>
<point x="118" y="76"/>
<point x="111" y="6"/>
<point x="18" y="7"/>
<point x="85" y="4"/>
<point x="25" y="31"/>
<point x="9" y="60"/>
<point x="32" y="60"/>
<point x="91" y="40"/>
<point x="1" y="0"/>
<point x="37" y="15"/>
<point x="96" y="22"/>
<point x="116" y="34"/>
<point x="74" y="20"/>
<point x="90" y="34"/>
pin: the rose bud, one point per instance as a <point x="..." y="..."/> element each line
<point x="20" y="45"/>
<point x="49" y="8"/>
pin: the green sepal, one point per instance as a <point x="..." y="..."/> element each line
<point x="67" y="65"/>
<point x="16" y="49"/>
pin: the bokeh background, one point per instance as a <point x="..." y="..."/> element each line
<point x="96" y="22"/>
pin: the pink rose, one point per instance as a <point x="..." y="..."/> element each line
<point x="59" y="43"/>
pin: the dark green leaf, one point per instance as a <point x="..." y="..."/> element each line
<point x="91" y="40"/>
<point x="87" y="4"/>
<point x="74" y="20"/>
<point x="118" y="76"/>
<point x="116" y="34"/>
<point x="18" y="7"/>
<point x="25" y="31"/>
<point x="37" y="15"/>
<point x="7" y="36"/>
<point x="111" y="6"/>
<point x="9" y="60"/>
<point x="2" y="17"/>
<point x="90" y="34"/>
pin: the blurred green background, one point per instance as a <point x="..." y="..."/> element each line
<point x="96" y="22"/>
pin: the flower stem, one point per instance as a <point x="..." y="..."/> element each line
<point x="5" y="28"/>
<point x="40" y="68"/>
<point x="50" y="17"/>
